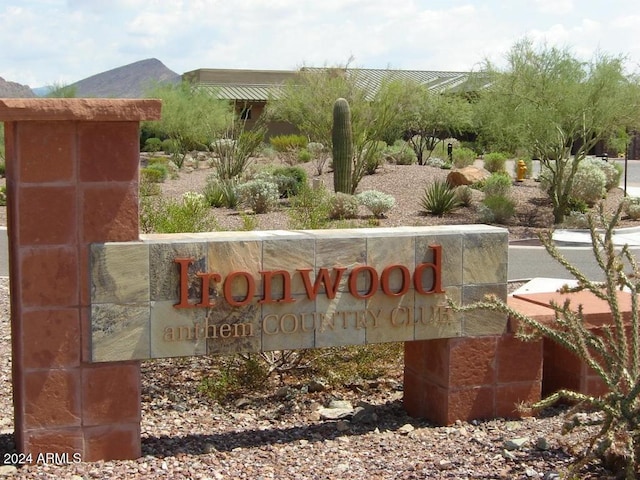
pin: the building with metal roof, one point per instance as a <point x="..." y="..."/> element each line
<point x="250" y="90"/>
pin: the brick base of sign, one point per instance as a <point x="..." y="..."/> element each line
<point x="471" y="378"/>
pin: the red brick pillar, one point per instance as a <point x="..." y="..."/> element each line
<point x="72" y="179"/>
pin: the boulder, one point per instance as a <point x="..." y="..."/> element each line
<point x="467" y="176"/>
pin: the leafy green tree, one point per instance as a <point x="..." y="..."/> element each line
<point x="377" y="111"/>
<point x="434" y="117"/>
<point x="555" y="105"/>
<point x="191" y="117"/>
<point x="61" y="90"/>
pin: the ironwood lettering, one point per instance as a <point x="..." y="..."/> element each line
<point x="326" y="279"/>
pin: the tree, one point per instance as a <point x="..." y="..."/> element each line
<point x="434" y="117"/>
<point x="553" y="104"/>
<point x="376" y="110"/>
<point x="191" y="117"/>
<point x="61" y="90"/>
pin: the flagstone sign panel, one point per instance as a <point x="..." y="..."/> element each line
<point x="232" y="292"/>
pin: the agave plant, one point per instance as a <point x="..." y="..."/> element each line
<point x="439" y="198"/>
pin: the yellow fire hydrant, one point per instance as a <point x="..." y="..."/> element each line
<point x="521" y="171"/>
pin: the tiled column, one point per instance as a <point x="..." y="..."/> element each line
<point x="72" y="179"/>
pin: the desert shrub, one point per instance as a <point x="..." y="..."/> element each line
<point x="373" y="157"/>
<point x="632" y="208"/>
<point x="260" y="195"/>
<point x="154" y="173"/>
<point x="148" y="189"/>
<point x="220" y="192"/>
<point x="495" y="162"/>
<point x="612" y="171"/>
<point x="3" y="195"/>
<point x="287" y="143"/>
<point x="3" y="166"/>
<point x="439" y="198"/>
<point x="343" y="205"/>
<point x="378" y="203"/>
<point x="464" y="195"/>
<point x="463" y="157"/>
<point x="438" y="163"/>
<point x="497" y="184"/>
<point x="319" y="155"/>
<point x="577" y="205"/>
<point x="170" y="146"/>
<point x="497" y="209"/>
<point x="309" y="209"/>
<point x="237" y="373"/>
<point x="304" y="156"/>
<point x="589" y="183"/>
<point x="290" y="180"/>
<point x="611" y="434"/>
<point x="249" y="222"/>
<point x="232" y="154"/>
<point x="575" y="219"/>
<point x="152" y="145"/>
<point x="187" y="214"/>
<point x="528" y="163"/>
<point x="400" y="153"/>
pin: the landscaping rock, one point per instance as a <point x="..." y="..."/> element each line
<point x="467" y="176"/>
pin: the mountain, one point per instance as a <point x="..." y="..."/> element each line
<point x="14" y="90"/>
<point x="129" y="81"/>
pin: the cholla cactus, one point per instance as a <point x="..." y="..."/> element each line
<point x="378" y="203"/>
<point x="611" y="352"/>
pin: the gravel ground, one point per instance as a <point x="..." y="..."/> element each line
<point x="291" y="431"/>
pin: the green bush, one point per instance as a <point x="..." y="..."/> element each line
<point x="188" y="214"/>
<point x="497" y="209"/>
<point x="373" y="157"/>
<point x="463" y="157"/>
<point x="309" y="209"/>
<point x="612" y="171"/>
<point x="400" y="153"/>
<point x="170" y="146"/>
<point x="3" y="195"/>
<point x="287" y="143"/>
<point x="495" y="162"/>
<point x="304" y="156"/>
<point x="632" y="208"/>
<point x="152" y="145"/>
<point x="221" y="192"/>
<point x="464" y="194"/>
<point x="378" y="203"/>
<point x="343" y="206"/>
<point x="148" y="189"/>
<point x="439" y="199"/>
<point x="497" y="184"/>
<point x="589" y="183"/>
<point x="259" y="195"/>
<point x="3" y="168"/>
<point x="290" y="180"/>
<point x="154" y="173"/>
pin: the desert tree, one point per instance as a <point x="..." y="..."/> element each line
<point x="378" y="111"/>
<point x="434" y="116"/>
<point x="62" y="90"/>
<point x="558" y="108"/>
<point x="191" y="117"/>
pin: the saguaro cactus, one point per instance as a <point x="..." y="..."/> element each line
<point x="342" y="146"/>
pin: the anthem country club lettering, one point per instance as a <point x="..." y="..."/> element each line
<point x="238" y="289"/>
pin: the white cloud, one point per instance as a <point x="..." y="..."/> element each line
<point x="67" y="40"/>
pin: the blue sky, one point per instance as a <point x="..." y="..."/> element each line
<point x="62" y="41"/>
